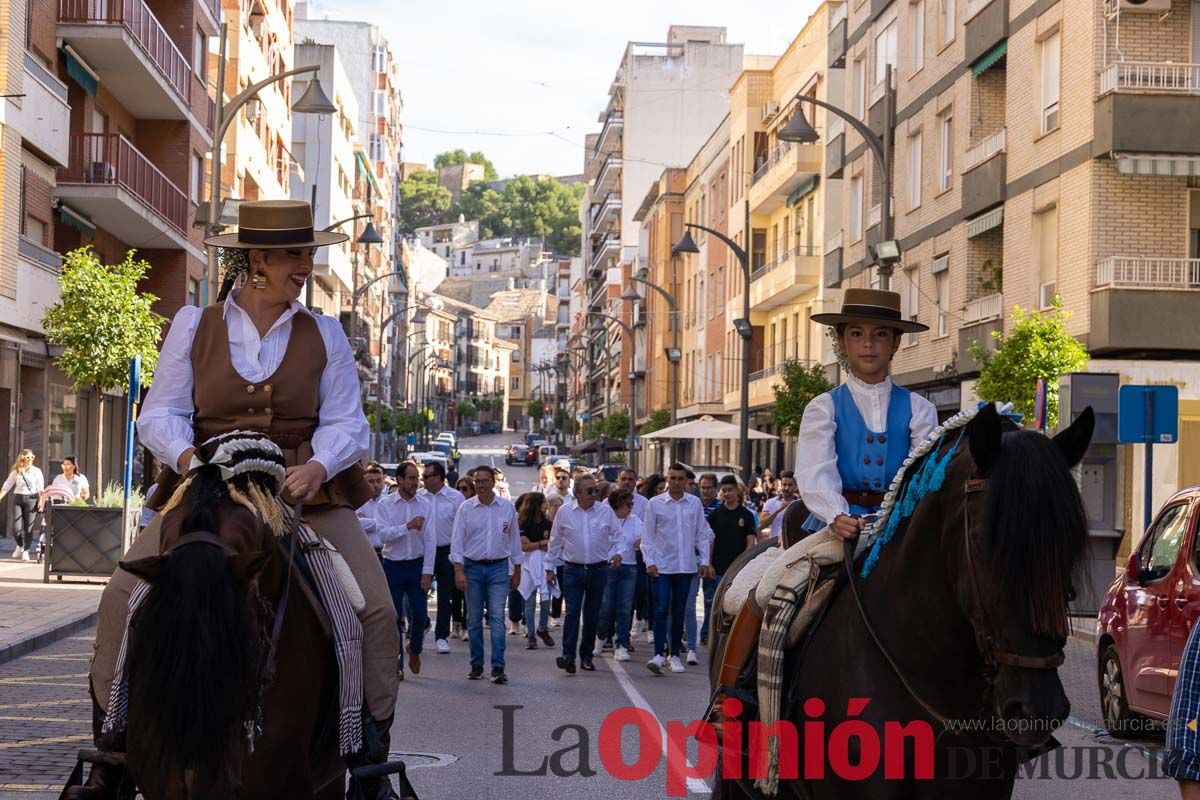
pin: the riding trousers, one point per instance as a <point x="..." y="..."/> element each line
<point x="340" y="527"/>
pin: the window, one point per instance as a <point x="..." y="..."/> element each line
<point x="193" y="292"/>
<point x="379" y="59"/>
<point x="945" y="21"/>
<point x="378" y="147"/>
<point x="941" y="292"/>
<point x="197" y="178"/>
<point x="515" y="383"/>
<point x="859" y="88"/>
<point x="912" y="301"/>
<point x="914" y="171"/>
<point x="1051" y="62"/>
<point x="946" y="153"/>
<point x="856" y="204"/>
<point x="35" y="230"/>
<point x="918" y="35"/>
<point x="758" y="248"/>
<point x="1045" y="237"/>
<point x="200" y="57"/>
<point x="885" y="51"/>
<point x="1158" y="553"/>
<point x="379" y="103"/>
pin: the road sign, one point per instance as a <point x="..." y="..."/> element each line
<point x="1148" y="414"/>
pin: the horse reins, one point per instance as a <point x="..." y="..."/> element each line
<point x="984" y="638"/>
<point x="281" y="609"/>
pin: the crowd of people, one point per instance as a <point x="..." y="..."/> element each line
<point x="604" y="563"/>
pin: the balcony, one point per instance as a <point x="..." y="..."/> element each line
<point x="606" y="214"/>
<point x="609" y="246"/>
<point x="762" y="385"/>
<point x="784" y="171"/>
<point x="38" y="271"/>
<point x="1149" y="108"/>
<point x="42" y="116"/>
<point x="835" y="148"/>
<point x="608" y="177"/>
<point x="1144" y="304"/>
<point x="981" y="318"/>
<point x="987" y="26"/>
<point x="610" y="134"/>
<point x="984" y="172"/>
<point x="833" y="260"/>
<point x="837" y="36"/>
<point x="136" y="60"/>
<point x="108" y="179"/>
<point x="779" y="282"/>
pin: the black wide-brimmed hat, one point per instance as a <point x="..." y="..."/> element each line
<point x="872" y="306"/>
<point x="275" y="225"/>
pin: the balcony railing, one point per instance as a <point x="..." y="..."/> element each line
<point x="612" y="199"/>
<point x="611" y="161"/>
<point x="1150" y="76"/>
<point x="111" y="159"/>
<point x="983" y="309"/>
<point x="975" y="6"/>
<point x="766" y="373"/>
<point x="834" y="242"/>
<point x="42" y="256"/>
<point x="990" y="146"/>
<point x="799" y="251"/>
<point x="780" y="152"/>
<point x="1149" y="273"/>
<point x="135" y="16"/>
<point x="837" y="127"/>
<point x="615" y="118"/>
<point x="601" y="250"/>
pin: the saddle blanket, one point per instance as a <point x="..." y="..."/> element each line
<point x="341" y="598"/>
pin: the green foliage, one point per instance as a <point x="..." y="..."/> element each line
<point x="465" y="409"/>
<point x="659" y="419"/>
<point x="460" y="156"/>
<point x="387" y="421"/>
<point x="801" y="384"/>
<point x="102" y="320"/>
<point x="564" y="421"/>
<point x="1038" y="347"/>
<point x="423" y="201"/>
<point x="992" y="277"/>
<point x="537" y="409"/>
<point x="113" y="496"/>
<point x="617" y="425"/>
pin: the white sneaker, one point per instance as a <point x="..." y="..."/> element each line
<point x="18" y="552"/>
<point x="620" y="654"/>
<point x="656" y="665"/>
<point x="675" y="664"/>
<point x="25" y="556"/>
<point x="691" y="658"/>
<point x="443" y="646"/>
<point x="553" y="622"/>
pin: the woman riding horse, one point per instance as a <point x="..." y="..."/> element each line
<point x="261" y="361"/>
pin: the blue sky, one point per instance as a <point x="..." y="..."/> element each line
<point x="501" y="76"/>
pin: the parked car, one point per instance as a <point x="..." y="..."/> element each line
<point x="520" y="454"/>
<point x="532" y="437"/>
<point x="448" y="436"/>
<point x="491" y="426"/>
<point x="608" y="472"/>
<point x="1147" y="614"/>
<point x="443" y="447"/>
<point x="430" y="457"/>
<point x="546" y="452"/>
<point x="469" y="428"/>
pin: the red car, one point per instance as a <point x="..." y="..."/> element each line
<point x="1146" y="616"/>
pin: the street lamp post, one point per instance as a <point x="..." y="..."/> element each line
<point x="743" y="326"/>
<point x="628" y="331"/>
<point x="674" y="353"/>
<point x="887" y="252"/>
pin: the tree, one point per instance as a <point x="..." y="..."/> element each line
<point x="659" y="419"/>
<point x="564" y="421"/>
<point x="800" y="385"/>
<point x="1038" y="347"/>
<point x="465" y="409"/>
<point x="617" y="425"/>
<point x="460" y="156"/>
<point x="387" y="422"/>
<point x="423" y="201"/>
<point x="543" y="208"/>
<point x="537" y="409"/>
<point x="102" y="322"/>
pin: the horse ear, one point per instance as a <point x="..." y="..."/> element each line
<point x="145" y="568"/>
<point x="247" y="566"/>
<point x="983" y="437"/>
<point x="1074" y="441"/>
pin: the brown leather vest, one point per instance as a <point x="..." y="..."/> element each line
<point x="285" y="406"/>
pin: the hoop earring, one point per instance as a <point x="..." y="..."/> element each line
<point x="258" y="281"/>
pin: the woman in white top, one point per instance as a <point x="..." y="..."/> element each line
<point x="73" y="480"/>
<point x="26" y="482"/>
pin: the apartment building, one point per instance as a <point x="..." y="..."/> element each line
<point x="521" y="316"/>
<point x="445" y="239"/>
<point x="525" y="257"/>
<point x="258" y="158"/>
<point x="1041" y="149"/>
<point x="140" y="128"/>
<point x="430" y="362"/>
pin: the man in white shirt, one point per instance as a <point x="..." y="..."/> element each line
<point x="402" y="523"/>
<point x="443" y="503"/>
<point x="486" y="539"/>
<point x="366" y="512"/>
<point x="627" y="480"/>
<point x="675" y="531"/>
<point x="773" y="509"/>
<point x="562" y="485"/>
<point x="585" y="541"/>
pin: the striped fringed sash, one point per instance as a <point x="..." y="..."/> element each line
<point x="347" y="642"/>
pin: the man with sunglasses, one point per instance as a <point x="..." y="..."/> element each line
<point x="586" y="541"/>
<point x="443" y="503"/>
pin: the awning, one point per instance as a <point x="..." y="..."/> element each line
<point x="73" y="219"/>
<point x="803" y="190"/>
<point x="1169" y="166"/>
<point x="366" y="167"/>
<point x="984" y="223"/>
<point x="941" y="264"/>
<point x="989" y="58"/>
<point x="80" y="71"/>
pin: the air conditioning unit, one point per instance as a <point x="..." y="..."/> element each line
<point x="1158" y="6"/>
<point x="769" y="110"/>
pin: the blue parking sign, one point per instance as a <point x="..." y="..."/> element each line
<point x="1148" y="415"/>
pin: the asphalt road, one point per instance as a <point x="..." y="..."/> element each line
<point x="537" y="737"/>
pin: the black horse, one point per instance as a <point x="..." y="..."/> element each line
<point x="969" y="606"/>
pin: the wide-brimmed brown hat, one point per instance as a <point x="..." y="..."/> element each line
<point x="872" y="306"/>
<point x="275" y="225"/>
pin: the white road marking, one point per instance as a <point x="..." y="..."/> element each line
<point x="695" y="785"/>
<point x="1098" y="731"/>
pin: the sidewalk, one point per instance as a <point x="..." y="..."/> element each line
<point x="34" y="614"/>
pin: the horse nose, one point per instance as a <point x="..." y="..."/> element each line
<point x="1017" y="709"/>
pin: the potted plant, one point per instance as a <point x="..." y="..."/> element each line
<point x="88" y="541"/>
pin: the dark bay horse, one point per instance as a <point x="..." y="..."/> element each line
<point x="197" y="652"/>
<point x="969" y="602"/>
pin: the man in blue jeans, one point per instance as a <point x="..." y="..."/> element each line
<point x="402" y="522"/>
<point x="675" y="532"/>
<point x="617" y="610"/>
<point x="486" y="539"/>
<point x="584" y="541"/>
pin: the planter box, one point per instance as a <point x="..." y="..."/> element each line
<point x="87" y="542"/>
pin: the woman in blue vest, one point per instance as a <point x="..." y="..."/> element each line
<point x="854" y="438"/>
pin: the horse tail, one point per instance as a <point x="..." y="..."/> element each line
<point x="193" y="658"/>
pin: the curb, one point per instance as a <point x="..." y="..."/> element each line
<point x="40" y="640"/>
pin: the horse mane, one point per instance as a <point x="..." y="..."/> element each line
<point x="194" y="655"/>
<point x="1037" y="531"/>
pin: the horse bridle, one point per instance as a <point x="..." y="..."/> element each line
<point x="985" y="639"/>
